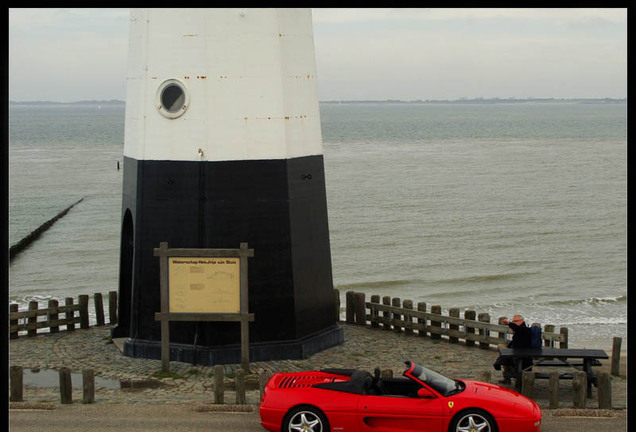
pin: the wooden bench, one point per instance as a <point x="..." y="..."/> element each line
<point x="555" y="357"/>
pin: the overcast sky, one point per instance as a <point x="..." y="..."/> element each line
<point x="67" y="55"/>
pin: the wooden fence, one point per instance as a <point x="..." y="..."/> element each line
<point x="393" y="314"/>
<point x="54" y="317"/>
<point x="381" y="312"/>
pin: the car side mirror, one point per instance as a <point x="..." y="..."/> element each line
<point x="425" y="393"/>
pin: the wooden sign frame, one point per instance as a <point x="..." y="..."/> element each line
<point x="165" y="316"/>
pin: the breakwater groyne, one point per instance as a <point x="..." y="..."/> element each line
<point x="36" y="233"/>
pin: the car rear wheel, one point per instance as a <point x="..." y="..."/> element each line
<point x="305" y="419"/>
<point x="473" y="421"/>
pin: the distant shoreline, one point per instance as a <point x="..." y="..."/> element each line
<point x="115" y="102"/>
<point x="112" y="102"/>
<point x="483" y="101"/>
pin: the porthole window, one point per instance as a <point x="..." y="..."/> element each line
<point x="172" y="98"/>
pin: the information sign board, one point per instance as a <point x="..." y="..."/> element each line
<point x="198" y="284"/>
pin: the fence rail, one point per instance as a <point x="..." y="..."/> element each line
<point x="393" y="314"/>
<point x="55" y="317"/>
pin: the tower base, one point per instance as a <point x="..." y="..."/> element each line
<point x="231" y="354"/>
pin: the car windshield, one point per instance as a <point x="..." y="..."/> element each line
<point x="440" y="383"/>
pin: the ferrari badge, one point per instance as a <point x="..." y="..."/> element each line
<point x="450" y="404"/>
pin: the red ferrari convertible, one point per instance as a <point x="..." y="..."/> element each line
<point x="422" y="400"/>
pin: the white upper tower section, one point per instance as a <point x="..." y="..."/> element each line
<point x="221" y="84"/>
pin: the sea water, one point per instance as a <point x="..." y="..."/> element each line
<point x="502" y="208"/>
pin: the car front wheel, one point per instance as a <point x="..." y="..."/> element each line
<point x="305" y="419"/>
<point x="473" y="421"/>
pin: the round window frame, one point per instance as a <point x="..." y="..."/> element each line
<point x="159" y="102"/>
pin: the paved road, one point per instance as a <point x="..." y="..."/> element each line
<point x="185" y="418"/>
<point x="133" y="418"/>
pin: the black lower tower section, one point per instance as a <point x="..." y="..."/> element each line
<point x="278" y="207"/>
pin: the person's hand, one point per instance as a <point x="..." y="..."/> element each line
<point x="505" y="320"/>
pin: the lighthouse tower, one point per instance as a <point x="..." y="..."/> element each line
<point x="222" y="146"/>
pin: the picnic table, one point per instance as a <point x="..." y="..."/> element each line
<point x="555" y="357"/>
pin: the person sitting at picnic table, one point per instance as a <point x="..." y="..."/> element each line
<point x="520" y="339"/>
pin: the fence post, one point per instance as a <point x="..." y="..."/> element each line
<point x="579" y="385"/>
<point x="350" y="313"/>
<point x="263" y="377"/>
<point x="396" y="302"/>
<point x="219" y="390"/>
<point x="421" y="307"/>
<point x="408" y="319"/>
<point x="70" y="315"/>
<point x="359" y="300"/>
<point x="437" y="309"/>
<point x="564" y="333"/>
<point x="484" y="317"/>
<point x="469" y="315"/>
<point x="99" y="309"/>
<point x="336" y="295"/>
<point x="501" y="335"/>
<point x="453" y="312"/>
<point x="83" y="302"/>
<point x="53" y="316"/>
<point x="616" y="355"/>
<point x="386" y="301"/>
<point x="88" y="386"/>
<point x="112" y="307"/>
<point x="548" y="328"/>
<point x="239" y="384"/>
<point x="554" y="389"/>
<point x="33" y="321"/>
<point x="66" y="387"/>
<point x="13" y="308"/>
<point x="604" y="390"/>
<point x="17" y="384"/>
<point x="374" y="312"/>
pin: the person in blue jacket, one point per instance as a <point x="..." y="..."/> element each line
<point x="520" y="339"/>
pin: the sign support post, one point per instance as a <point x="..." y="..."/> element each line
<point x="200" y="285"/>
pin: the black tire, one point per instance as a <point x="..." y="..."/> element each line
<point x="305" y="416"/>
<point x="473" y="419"/>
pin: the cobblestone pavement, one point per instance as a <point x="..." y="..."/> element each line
<point x="364" y="348"/>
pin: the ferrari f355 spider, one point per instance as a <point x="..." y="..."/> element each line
<point x="421" y="400"/>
